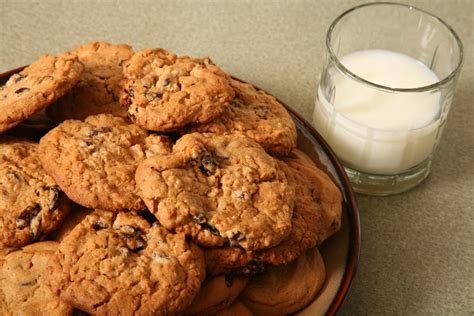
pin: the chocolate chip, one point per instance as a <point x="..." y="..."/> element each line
<point x="98" y="225"/>
<point x="22" y="90"/>
<point x="27" y="215"/>
<point x="229" y="279"/>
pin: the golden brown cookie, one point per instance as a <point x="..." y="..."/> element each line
<point x="165" y="92"/>
<point x="217" y="189"/>
<point x="257" y="115"/>
<point x="116" y="263"/>
<point x="284" y="290"/>
<point x="36" y="87"/>
<point x="316" y="216"/>
<point x="22" y="291"/>
<point x="216" y="293"/>
<point x="31" y="203"/>
<point x="99" y="86"/>
<point x="94" y="161"/>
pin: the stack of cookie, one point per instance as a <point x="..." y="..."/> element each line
<point x="164" y="186"/>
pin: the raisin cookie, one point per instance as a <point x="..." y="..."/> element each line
<point x="94" y="161"/>
<point x="219" y="188"/>
<point x="22" y="291"/>
<point x="286" y="289"/>
<point x="259" y="116"/>
<point x="215" y="294"/>
<point x="31" y="203"/>
<point x="164" y="92"/>
<point x="36" y="87"/>
<point x="99" y="87"/>
<point x="316" y="216"/>
<point x="116" y="263"/>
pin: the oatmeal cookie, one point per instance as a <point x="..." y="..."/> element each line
<point x="36" y="87"/>
<point x="259" y="116"/>
<point x="164" y="92"/>
<point x="316" y="216"/>
<point x="94" y="161"/>
<point x="217" y="189"/>
<point x="286" y="289"/>
<point x="99" y="86"/>
<point x="216" y="293"/>
<point x="116" y="263"/>
<point x="22" y="291"/>
<point x="31" y="203"/>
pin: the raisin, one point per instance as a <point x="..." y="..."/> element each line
<point x="98" y="130"/>
<point x="228" y="280"/>
<point x="56" y="194"/>
<point x="98" y="225"/>
<point x="253" y="267"/>
<point x="199" y="219"/>
<point x="209" y="164"/>
<point x="211" y="229"/>
<point x="19" y="77"/>
<point x="22" y="90"/>
<point x="24" y="219"/>
<point x="166" y="82"/>
<point x="136" y="244"/>
<point x="128" y="231"/>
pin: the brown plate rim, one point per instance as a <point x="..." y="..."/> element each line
<point x="352" y="208"/>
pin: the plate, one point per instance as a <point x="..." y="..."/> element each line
<point x="340" y="252"/>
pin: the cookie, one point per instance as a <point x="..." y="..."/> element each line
<point x="164" y="92"/>
<point x="316" y="216"/>
<point x="99" y="86"/>
<point x="94" y="161"/>
<point x="22" y="291"/>
<point x="215" y="294"/>
<point x="257" y="115"/>
<point x="236" y="309"/>
<point x="31" y="203"/>
<point x="286" y="289"/>
<point x="219" y="189"/>
<point x="36" y="87"/>
<point x="116" y="263"/>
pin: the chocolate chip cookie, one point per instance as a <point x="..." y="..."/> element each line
<point x="36" y="87"/>
<point x="219" y="189"/>
<point x="94" y="161"/>
<point x="22" y="291"/>
<point x="164" y="92"/>
<point x="215" y="294"/>
<point x="31" y="203"/>
<point x="259" y="116"/>
<point x="316" y="216"/>
<point x="99" y="87"/>
<point x="116" y="263"/>
<point x="286" y="289"/>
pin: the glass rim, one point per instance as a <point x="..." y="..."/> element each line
<point x="432" y="86"/>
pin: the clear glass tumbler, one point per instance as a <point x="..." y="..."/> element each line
<point x="385" y="134"/>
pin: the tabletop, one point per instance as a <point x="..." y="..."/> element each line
<point x="417" y="253"/>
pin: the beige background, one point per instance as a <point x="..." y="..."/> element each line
<point x="417" y="248"/>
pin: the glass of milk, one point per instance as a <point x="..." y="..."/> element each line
<point x="385" y="92"/>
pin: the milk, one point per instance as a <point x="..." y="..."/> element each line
<point x="376" y="131"/>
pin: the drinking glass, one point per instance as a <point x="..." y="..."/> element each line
<point x="386" y="160"/>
